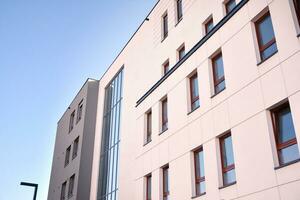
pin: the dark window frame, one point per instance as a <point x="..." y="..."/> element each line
<point x="226" y="4"/>
<point x="200" y="179"/>
<point x="71" y="122"/>
<point x="71" y="186"/>
<point x="67" y="156"/>
<point x="165" y="26"/>
<point x="217" y="81"/>
<point x="297" y="10"/>
<point x="179" y="10"/>
<point x="166" y="67"/>
<point x="164" y="120"/>
<point x="75" y="148"/>
<point x="63" y="190"/>
<point x="148" y="177"/>
<point x="181" y="52"/>
<point x="166" y="191"/>
<point x="148" y="126"/>
<point x="207" y="23"/>
<point x="281" y="145"/>
<point x="194" y="98"/>
<point x="79" y="111"/>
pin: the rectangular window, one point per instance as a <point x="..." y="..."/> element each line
<point x="194" y="91"/>
<point x="71" y="124"/>
<point x="218" y="73"/>
<point x="63" y="191"/>
<point x="71" y="186"/>
<point x="149" y="127"/>
<point x="265" y="36"/>
<point x="297" y="9"/>
<point x="166" y="67"/>
<point x="67" y="158"/>
<point x="285" y="135"/>
<point x="179" y="10"/>
<point x="209" y="25"/>
<point x="79" y="111"/>
<point x="181" y="52"/>
<point x="199" y="172"/>
<point x="165" y="25"/>
<point x="227" y="160"/>
<point x="229" y="6"/>
<point x="75" y="147"/>
<point x="166" y="189"/>
<point x="148" y="187"/>
<point x="164" y="113"/>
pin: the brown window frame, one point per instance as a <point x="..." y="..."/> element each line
<point x="165" y="194"/>
<point x="200" y="179"/>
<point x="227" y="4"/>
<point x="165" y="26"/>
<point x="210" y="20"/>
<point x="166" y="67"/>
<point x="194" y="98"/>
<point x="67" y="156"/>
<point x="63" y="191"/>
<point x="297" y="10"/>
<point x="75" y="148"/>
<point x="164" y="120"/>
<point x="147" y="186"/>
<point x="280" y="146"/>
<point x="216" y="80"/>
<point x="179" y="10"/>
<point x="181" y="49"/>
<point x="261" y="47"/>
<point x="148" y="126"/>
<point x="230" y="167"/>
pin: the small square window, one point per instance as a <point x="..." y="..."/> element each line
<point x="181" y="52"/>
<point x="209" y="25"/>
<point x="229" y="6"/>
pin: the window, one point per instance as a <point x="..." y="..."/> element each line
<point x="297" y="9"/>
<point x="71" y="186"/>
<point x="209" y="25"/>
<point x="218" y="73"/>
<point x="164" y="113"/>
<point x="265" y="36"/>
<point x="63" y="191"/>
<point x="166" y="189"/>
<point x="148" y="187"/>
<point x="179" y="10"/>
<point x="194" y="91"/>
<point x="227" y="160"/>
<point x="75" y="147"/>
<point x="181" y="52"/>
<point x="148" y="126"/>
<point x="165" y="26"/>
<point x="229" y="6"/>
<point x="285" y="136"/>
<point x="79" y="111"/>
<point x="67" y="158"/>
<point x="166" y="67"/>
<point x="199" y="172"/>
<point x="71" y="124"/>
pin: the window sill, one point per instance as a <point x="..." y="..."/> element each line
<point x="163" y="131"/>
<point x="218" y="93"/>
<point x="225" y="186"/>
<point x="178" y="21"/>
<point x="147" y="142"/>
<point x="193" y="110"/>
<point x="262" y="61"/>
<point x="196" y="196"/>
<point x="287" y="164"/>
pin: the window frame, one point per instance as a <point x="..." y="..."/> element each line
<point x="164" y="116"/>
<point x="200" y="179"/>
<point x="297" y="11"/>
<point x="193" y="98"/>
<point x="148" y="177"/>
<point x="75" y="148"/>
<point x="67" y="156"/>
<point x="165" y="194"/>
<point x="179" y="10"/>
<point x="63" y="190"/>
<point x="262" y="48"/>
<point x="216" y="80"/>
<point x="280" y="146"/>
<point x="79" y="111"/>
<point x="71" y="186"/>
<point x="179" y="50"/>
<point x="166" y="67"/>
<point x="148" y="127"/>
<point x="207" y="22"/>
<point x="226" y="4"/>
<point x="71" y="121"/>
<point x="165" y="26"/>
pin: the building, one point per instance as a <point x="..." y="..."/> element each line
<point x="73" y="152"/>
<point x="202" y="103"/>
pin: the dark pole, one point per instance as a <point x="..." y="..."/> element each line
<point x="31" y="185"/>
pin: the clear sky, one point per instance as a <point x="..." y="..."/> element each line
<point x="47" y="51"/>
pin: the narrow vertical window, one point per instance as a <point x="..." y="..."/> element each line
<point x="194" y="91"/>
<point x="166" y="67"/>
<point x="166" y="189"/>
<point x="285" y="135"/>
<point x="218" y="73"/>
<point x="165" y="25"/>
<point x="181" y="52"/>
<point x="75" y="147"/>
<point x="71" y="123"/>
<point x="297" y="9"/>
<point x="67" y="158"/>
<point x="149" y="126"/>
<point x="227" y="160"/>
<point x="79" y="111"/>
<point x="209" y="25"/>
<point x="63" y="191"/>
<point x="265" y="36"/>
<point x="164" y="106"/>
<point x="229" y="6"/>
<point x="199" y="172"/>
<point x="71" y="186"/>
<point x="179" y="10"/>
<point x="148" y="187"/>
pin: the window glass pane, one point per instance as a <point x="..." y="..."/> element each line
<point x="269" y="51"/>
<point x="218" y="67"/>
<point x="285" y="126"/>
<point x="195" y="91"/>
<point x="209" y="26"/>
<point x="201" y="160"/>
<point x="148" y="187"/>
<point x="227" y="152"/>
<point x="195" y="105"/>
<point x="230" y="5"/>
<point x="229" y="177"/>
<point x="166" y="180"/>
<point x="220" y="87"/>
<point x="265" y="29"/>
<point x="179" y="9"/>
<point x="202" y="187"/>
<point x="289" y="154"/>
<point x="181" y="53"/>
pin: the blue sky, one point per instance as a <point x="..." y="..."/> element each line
<point x="47" y="51"/>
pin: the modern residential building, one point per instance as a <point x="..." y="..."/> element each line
<point x="202" y="103"/>
<point x="73" y="153"/>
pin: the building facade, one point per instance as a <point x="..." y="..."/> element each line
<point x="202" y="103"/>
